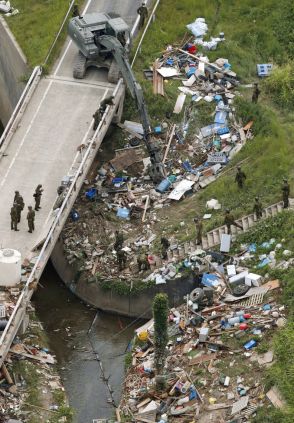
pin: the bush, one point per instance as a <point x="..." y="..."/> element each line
<point x="280" y="85"/>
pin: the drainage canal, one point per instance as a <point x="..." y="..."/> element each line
<point x="89" y="346"/>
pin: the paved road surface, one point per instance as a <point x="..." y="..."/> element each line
<point x="57" y="120"/>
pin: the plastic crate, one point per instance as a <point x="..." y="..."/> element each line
<point x="264" y="69"/>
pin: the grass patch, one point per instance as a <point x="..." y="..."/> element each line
<point x="36" y="26"/>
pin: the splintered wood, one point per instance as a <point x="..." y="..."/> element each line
<point x="157" y="80"/>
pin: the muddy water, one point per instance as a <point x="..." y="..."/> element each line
<point x="78" y="336"/>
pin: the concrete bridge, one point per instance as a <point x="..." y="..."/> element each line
<point x="41" y="145"/>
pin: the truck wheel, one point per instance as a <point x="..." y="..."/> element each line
<point x="113" y="73"/>
<point x="79" y="66"/>
<point x="197" y="295"/>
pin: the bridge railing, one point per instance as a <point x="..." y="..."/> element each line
<point x="15" y="318"/>
<point x="21" y="105"/>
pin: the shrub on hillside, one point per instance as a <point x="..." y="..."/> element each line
<point x="280" y="85"/>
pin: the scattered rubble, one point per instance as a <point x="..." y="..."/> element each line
<point x="27" y="356"/>
<point x="214" y="365"/>
<point x="122" y="194"/>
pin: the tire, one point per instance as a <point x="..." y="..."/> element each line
<point x="134" y="142"/>
<point x="79" y="69"/>
<point x="197" y="295"/>
<point x="240" y="290"/>
<point x="113" y="73"/>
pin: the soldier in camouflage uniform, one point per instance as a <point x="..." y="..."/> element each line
<point x="143" y="12"/>
<point x="229" y="221"/>
<point x="37" y="196"/>
<point x="199" y="227"/>
<point x="257" y="208"/>
<point x="164" y="247"/>
<point x="119" y="241"/>
<point x="286" y="193"/>
<point x="240" y="177"/>
<point x="18" y="200"/>
<point x="31" y="219"/>
<point x="14" y="217"/>
<point x="121" y="259"/>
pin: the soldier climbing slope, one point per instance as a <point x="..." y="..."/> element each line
<point x="286" y="193"/>
<point x="164" y="247"/>
<point x="199" y="227"/>
<point x="256" y="92"/>
<point x="240" y="177"/>
<point x="229" y="221"/>
<point x="31" y="219"/>
<point x="257" y="208"/>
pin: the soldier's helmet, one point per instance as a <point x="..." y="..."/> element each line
<point x="285" y="179"/>
<point x="16" y="192"/>
<point x="228" y="210"/>
<point x="39" y="186"/>
<point x="30" y="207"/>
<point x="256" y="198"/>
<point x="239" y="167"/>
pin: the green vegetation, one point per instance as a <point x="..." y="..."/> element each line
<point x="160" y="314"/>
<point x="122" y="286"/>
<point x="36" y="26"/>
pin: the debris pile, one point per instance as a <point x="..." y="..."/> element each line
<point x="217" y="350"/>
<point x="121" y="192"/>
<point x="7" y="9"/>
<point x="28" y="357"/>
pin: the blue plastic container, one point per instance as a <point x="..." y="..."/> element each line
<point x="123" y="213"/>
<point x="163" y="186"/>
<point x="249" y="345"/>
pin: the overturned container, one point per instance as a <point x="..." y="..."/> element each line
<point x="10" y="267"/>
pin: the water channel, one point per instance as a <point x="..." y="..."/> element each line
<point x="78" y="335"/>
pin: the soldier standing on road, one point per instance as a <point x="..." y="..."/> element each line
<point x="256" y="92"/>
<point x="121" y="259"/>
<point x="37" y="196"/>
<point x="229" y="221"/>
<point x="257" y="208"/>
<point x="31" y="219"/>
<point x="14" y="217"/>
<point x="119" y="240"/>
<point x="143" y="12"/>
<point x="164" y="247"/>
<point x="240" y="177"/>
<point x="199" y="227"/>
<point x="18" y="200"/>
<point x="286" y="193"/>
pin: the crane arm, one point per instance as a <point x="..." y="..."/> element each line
<point x="120" y="56"/>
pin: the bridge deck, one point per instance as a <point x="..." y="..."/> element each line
<point x="57" y="120"/>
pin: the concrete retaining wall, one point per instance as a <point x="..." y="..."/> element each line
<point x="13" y="68"/>
<point x="131" y="305"/>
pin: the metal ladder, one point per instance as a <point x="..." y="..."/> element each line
<point x="213" y="238"/>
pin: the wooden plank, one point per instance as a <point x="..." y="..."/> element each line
<point x="169" y="143"/>
<point x="145" y="208"/>
<point x="202" y="358"/>
<point x="179" y="103"/>
<point x="34" y="357"/>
